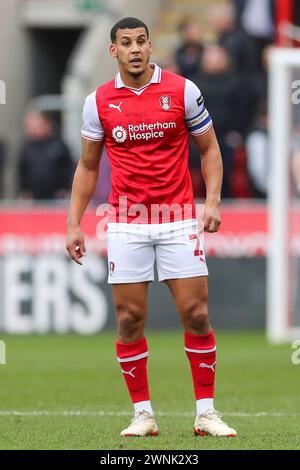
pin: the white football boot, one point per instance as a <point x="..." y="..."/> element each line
<point x="211" y="424"/>
<point x="142" y="424"/>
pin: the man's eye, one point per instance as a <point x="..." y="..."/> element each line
<point x="125" y="43"/>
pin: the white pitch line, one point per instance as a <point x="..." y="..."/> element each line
<point x="126" y="413"/>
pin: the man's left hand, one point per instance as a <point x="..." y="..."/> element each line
<point x="212" y="217"/>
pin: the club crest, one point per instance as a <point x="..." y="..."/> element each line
<point x="111" y="267"/>
<point x="165" y="102"/>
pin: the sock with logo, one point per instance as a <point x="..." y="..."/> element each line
<point x="133" y="361"/>
<point x="201" y="352"/>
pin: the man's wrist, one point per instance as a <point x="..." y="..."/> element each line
<point x="71" y="223"/>
<point x="213" y="201"/>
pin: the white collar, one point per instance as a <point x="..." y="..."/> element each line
<point x="156" y="78"/>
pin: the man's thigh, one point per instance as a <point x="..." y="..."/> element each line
<point x="181" y="254"/>
<point x="190" y="296"/>
<point x="131" y="297"/>
<point x="130" y="257"/>
<point x="131" y="310"/>
<point x="187" y="290"/>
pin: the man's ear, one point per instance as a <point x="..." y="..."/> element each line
<point x="113" y="50"/>
<point x="150" y="47"/>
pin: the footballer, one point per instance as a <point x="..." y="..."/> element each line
<point x="144" y="117"/>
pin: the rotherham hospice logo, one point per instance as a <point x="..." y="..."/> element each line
<point x="119" y="134"/>
<point x="152" y="131"/>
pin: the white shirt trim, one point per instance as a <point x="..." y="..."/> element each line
<point x="156" y="78"/>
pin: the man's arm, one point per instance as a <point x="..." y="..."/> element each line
<point x="83" y="188"/>
<point x="212" y="171"/>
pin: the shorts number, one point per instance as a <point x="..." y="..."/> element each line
<point x="197" y="251"/>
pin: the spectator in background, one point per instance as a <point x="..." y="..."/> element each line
<point x="257" y="18"/>
<point x="46" y="167"/>
<point x="224" y="95"/>
<point x="234" y="39"/>
<point x="2" y="162"/>
<point x="259" y="87"/>
<point x="258" y="157"/>
<point x="241" y="50"/>
<point x="189" y="53"/>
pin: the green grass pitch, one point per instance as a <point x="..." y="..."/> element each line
<point x="67" y="392"/>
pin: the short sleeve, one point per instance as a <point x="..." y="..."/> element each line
<point x="197" y="118"/>
<point x="92" y="128"/>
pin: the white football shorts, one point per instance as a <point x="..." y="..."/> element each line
<point x="177" y="248"/>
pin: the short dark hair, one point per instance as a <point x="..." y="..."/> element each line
<point x="127" y="23"/>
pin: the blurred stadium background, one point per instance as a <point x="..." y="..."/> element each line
<point x="53" y="53"/>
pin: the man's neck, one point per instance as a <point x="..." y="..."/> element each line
<point x="139" y="81"/>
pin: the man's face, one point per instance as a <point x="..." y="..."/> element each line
<point x="132" y="50"/>
<point x="36" y="127"/>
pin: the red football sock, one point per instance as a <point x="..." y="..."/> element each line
<point x="133" y="361"/>
<point x="201" y="351"/>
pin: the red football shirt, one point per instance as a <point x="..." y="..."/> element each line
<point x="146" y="136"/>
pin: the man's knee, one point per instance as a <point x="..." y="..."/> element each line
<point x="196" y="315"/>
<point x="130" y="321"/>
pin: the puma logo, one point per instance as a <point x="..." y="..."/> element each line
<point x="114" y="106"/>
<point x="207" y="366"/>
<point x="130" y="372"/>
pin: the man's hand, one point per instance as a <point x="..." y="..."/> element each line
<point x="75" y="244"/>
<point x="212" y="217"/>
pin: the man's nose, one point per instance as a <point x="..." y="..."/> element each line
<point x="135" y="47"/>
